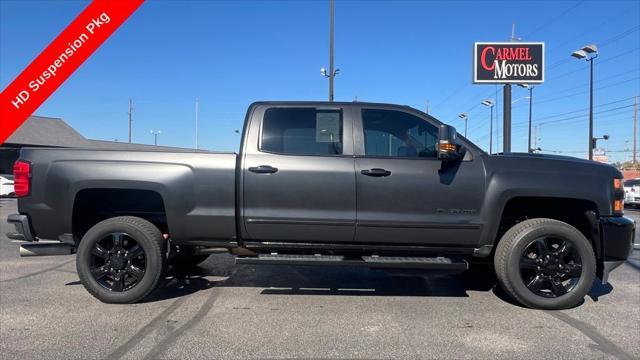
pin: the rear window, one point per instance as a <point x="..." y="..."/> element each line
<point x="302" y="131"/>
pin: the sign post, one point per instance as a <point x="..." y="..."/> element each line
<point x="508" y="63"/>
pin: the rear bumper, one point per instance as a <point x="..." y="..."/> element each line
<point x="22" y="228"/>
<point x="618" y="234"/>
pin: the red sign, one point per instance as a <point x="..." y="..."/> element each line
<point x="59" y="60"/>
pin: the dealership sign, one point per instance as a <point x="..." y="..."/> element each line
<point x="508" y="62"/>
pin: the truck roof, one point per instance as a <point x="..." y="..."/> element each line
<point x="324" y="103"/>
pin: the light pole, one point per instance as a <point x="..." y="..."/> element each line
<point x="589" y="52"/>
<point x="489" y="103"/>
<point x="465" y="117"/>
<point x="155" y="136"/>
<point x="197" y="121"/>
<point x="332" y="73"/>
<point x="530" y="88"/>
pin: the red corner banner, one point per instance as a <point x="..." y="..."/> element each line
<point x="59" y="60"/>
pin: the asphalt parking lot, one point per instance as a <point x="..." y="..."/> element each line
<point x="225" y="311"/>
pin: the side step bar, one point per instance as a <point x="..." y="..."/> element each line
<point x="385" y="262"/>
<point x="45" y="249"/>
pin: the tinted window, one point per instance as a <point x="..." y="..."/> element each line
<point x="398" y="134"/>
<point x="630" y="183"/>
<point x="303" y="131"/>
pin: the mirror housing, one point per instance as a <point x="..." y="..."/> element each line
<point x="448" y="150"/>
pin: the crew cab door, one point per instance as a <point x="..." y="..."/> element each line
<point x="297" y="175"/>
<point x="405" y="195"/>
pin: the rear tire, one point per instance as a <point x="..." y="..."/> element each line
<point x="545" y="264"/>
<point x="121" y="260"/>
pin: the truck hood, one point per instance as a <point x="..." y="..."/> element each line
<point x="538" y="162"/>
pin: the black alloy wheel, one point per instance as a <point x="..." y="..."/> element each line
<point x="122" y="259"/>
<point x="550" y="267"/>
<point x="545" y="264"/>
<point x="118" y="262"/>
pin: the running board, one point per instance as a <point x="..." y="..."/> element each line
<point x="386" y="262"/>
<point x="45" y="249"/>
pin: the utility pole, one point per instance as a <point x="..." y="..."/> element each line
<point x="635" y="129"/>
<point x="130" y="120"/>
<point x="590" y="107"/>
<point x="155" y="134"/>
<point x="331" y="72"/>
<point x="197" y="115"/>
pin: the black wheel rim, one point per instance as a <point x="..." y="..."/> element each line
<point x="118" y="262"/>
<point x="550" y="267"/>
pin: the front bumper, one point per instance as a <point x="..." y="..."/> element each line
<point x="618" y="234"/>
<point x="22" y="228"/>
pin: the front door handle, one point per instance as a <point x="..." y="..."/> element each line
<point x="376" y="172"/>
<point x="263" y="169"/>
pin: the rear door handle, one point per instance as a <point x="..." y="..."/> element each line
<point x="263" y="169"/>
<point x="376" y="172"/>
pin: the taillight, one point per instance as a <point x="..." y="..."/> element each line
<point x="21" y="178"/>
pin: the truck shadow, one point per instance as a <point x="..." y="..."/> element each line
<point x="220" y="271"/>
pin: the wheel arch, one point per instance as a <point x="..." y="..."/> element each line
<point x="580" y="213"/>
<point x="91" y="205"/>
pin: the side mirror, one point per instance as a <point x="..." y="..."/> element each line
<point x="447" y="147"/>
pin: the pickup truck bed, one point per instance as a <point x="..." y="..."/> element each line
<point x="200" y="186"/>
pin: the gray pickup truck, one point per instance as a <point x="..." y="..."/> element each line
<point x="337" y="184"/>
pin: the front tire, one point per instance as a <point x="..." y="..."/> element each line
<point x="121" y="260"/>
<point x="545" y="264"/>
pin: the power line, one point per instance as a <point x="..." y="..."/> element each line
<point x="572" y="119"/>
<point x="586" y="91"/>
<point x="583" y="109"/>
<point x="555" y="18"/>
<point x="591" y="28"/>
<point x="582" y="115"/>
<point x="601" y="44"/>
<point x="600" y="81"/>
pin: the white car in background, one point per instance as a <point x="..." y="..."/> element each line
<point x="6" y="185"/>
<point x="632" y="192"/>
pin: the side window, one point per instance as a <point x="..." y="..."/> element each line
<point x="302" y="131"/>
<point x="398" y="134"/>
